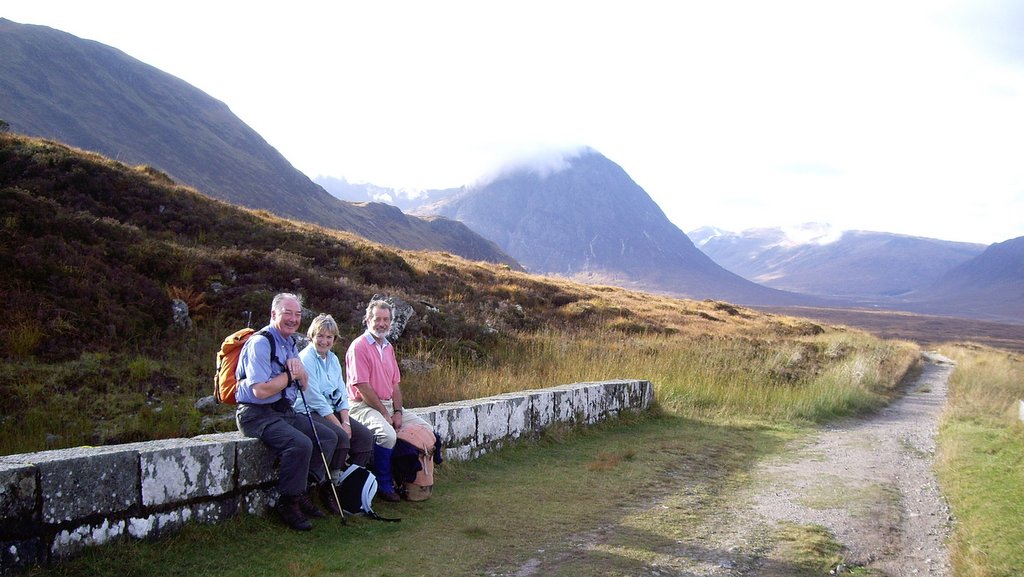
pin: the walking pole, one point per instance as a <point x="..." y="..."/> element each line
<point x="316" y="437"/>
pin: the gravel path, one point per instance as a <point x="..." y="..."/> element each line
<point x="870" y="482"/>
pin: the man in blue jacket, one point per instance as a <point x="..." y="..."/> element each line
<point x="265" y="396"/>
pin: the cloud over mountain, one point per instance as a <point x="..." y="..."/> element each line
<point x="579" y="215"/>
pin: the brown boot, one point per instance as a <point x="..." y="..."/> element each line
<point x="327" y="497"/>
<point x="306" y="506"/>
<point x="291" y="513"/>
<point x="389" y="496"/>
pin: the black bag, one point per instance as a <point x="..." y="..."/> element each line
<point x="356" y="490"/>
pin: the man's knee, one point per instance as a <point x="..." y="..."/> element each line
<point x="298" y="447"/>
<point x="386" y="437"/>
<point x="303" y="443"/>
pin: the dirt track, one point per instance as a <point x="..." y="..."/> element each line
<point x="869" y="482"/>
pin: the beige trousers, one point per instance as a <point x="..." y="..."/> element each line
<point x="383" y="433"/>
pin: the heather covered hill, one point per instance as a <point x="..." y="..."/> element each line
<point x="94" y="252"/>
<point x="95" y="97"/>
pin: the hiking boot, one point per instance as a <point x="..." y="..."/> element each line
<point x="291" y="514"/>
<point x="327" y="497"/>
<point x="391" y="497"/>
<point x="306" y="506"/>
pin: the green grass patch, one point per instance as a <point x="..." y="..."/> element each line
<point x="868" y="500"/>
<point x="981" y="462"/>
<point x="108" y="398"/>
<point x="983" y="478"/>
<point x="810" y="550"/>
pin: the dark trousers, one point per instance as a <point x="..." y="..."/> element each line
<point x="357" y="450"/>
<point x="289" y="437"/>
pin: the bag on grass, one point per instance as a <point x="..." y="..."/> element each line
<point x="412" y="463"/>
<point x="356" y="488"/>
<point x="224" y="382"/>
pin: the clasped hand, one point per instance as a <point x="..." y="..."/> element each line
<point x="298" y="372"/>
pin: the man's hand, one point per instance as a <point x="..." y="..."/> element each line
<point x="298" y="372"/>
<point x="396" y="420"/>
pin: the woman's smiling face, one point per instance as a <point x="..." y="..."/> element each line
<point x="323" y="341"/>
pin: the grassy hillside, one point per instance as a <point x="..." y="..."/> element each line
<point x="98" y="98"/>
<point x="95" y="251"/>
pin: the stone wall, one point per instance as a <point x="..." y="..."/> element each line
<point x="55" y="503"/>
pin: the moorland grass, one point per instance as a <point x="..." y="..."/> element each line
<point x="105" y="398"/>
<point x="798" y="379"/>
<point x="980" y="461"/>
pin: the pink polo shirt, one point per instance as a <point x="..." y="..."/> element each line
<point x="365" y="362"/>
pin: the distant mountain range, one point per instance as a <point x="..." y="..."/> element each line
<point x="989" y="286"/>
<point x="405" y="200"/>
<point x="879" y="269"/>
<point x="589" y="221"/>
<point x="586" y="220"/>
<point x="818" y="260"/>
<point x="91" y="96"/>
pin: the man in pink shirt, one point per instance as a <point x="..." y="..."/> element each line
<point x="372" y="376"/>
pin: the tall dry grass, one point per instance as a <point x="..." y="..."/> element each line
<point x="806" y="379"/>
<point x="754" y="366"/>
<point x="986" y="386"/>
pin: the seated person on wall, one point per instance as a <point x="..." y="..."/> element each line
<point x="327" y="397"/>
<point x="373" y="386"/>
<point x="265" y="397"/>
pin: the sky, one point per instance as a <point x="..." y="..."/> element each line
<point x="893" y="116"/>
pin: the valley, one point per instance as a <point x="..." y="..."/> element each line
<point x="926" y="330"/>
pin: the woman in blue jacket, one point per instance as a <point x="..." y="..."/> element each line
<point x="327" y="397"/>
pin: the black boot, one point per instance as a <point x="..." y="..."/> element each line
<point x="306" y="506"/>
<point x="291" y="513"/>
<point x="328" y="499"/>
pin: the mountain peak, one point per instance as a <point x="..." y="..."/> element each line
<point x="580" y="215"/>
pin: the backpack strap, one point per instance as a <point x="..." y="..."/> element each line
<point x="373" y="515"/>
<point x="273" y="358"/>
<point x="273" y="348"/>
